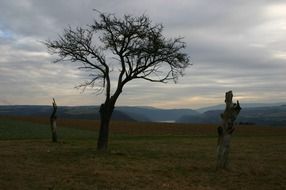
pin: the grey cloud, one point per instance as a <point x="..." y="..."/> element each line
<point x="231" y="43"/>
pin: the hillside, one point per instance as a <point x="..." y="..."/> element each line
<point x="155" y="114"/>
<point x="267" y="115"/>
<point x="92" y="112"/>
<point x="75" y="112"/>
<point x="272" y="115"/>
<point x="243" y="105"/>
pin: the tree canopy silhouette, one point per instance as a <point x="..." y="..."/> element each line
<point x="138" y="50"/>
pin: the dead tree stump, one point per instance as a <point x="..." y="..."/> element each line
<point x="53" y="122"/>
<point x="225" y="131"/>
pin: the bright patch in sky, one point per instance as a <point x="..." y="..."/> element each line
<point x="277" y="10"/>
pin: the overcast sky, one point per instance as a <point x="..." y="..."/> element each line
<point x="237" y="45"/>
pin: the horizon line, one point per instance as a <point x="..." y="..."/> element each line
<point x="149" y="106"/>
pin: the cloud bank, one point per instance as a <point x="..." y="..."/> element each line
<point x="233" y="45"/>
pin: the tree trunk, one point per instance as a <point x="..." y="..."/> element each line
<point x="53" y="122"/>
<point x="223" y="151"/>
<point x="225" y="132"/>
<point x="105" y="116"/>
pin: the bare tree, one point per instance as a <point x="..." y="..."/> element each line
<point x="138" y="50"/>
<point x="225" y="131"/>
<point x="53" y="122"/>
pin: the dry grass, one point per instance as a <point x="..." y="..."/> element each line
<point x="146" y="156"/>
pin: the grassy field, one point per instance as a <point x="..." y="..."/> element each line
<point x="140" y="156"/>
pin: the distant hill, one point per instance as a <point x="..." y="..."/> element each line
<point x="76" y="112"/>
<point x="155" y="114"/>
<point x="274" y="115"/>
<point x="270" y="115"/>
<point x="125" y="113"/>
<point x="267" y="115"/>
<point x="244" y="105"/>
<point x="206" y="117"/>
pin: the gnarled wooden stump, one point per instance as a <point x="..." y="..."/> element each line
<point x="225" y="131"/>
<point x="53" y="122"/>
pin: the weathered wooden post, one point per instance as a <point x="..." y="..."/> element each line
<point x="53" y="122"/>
<point x="225" y="131"/>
